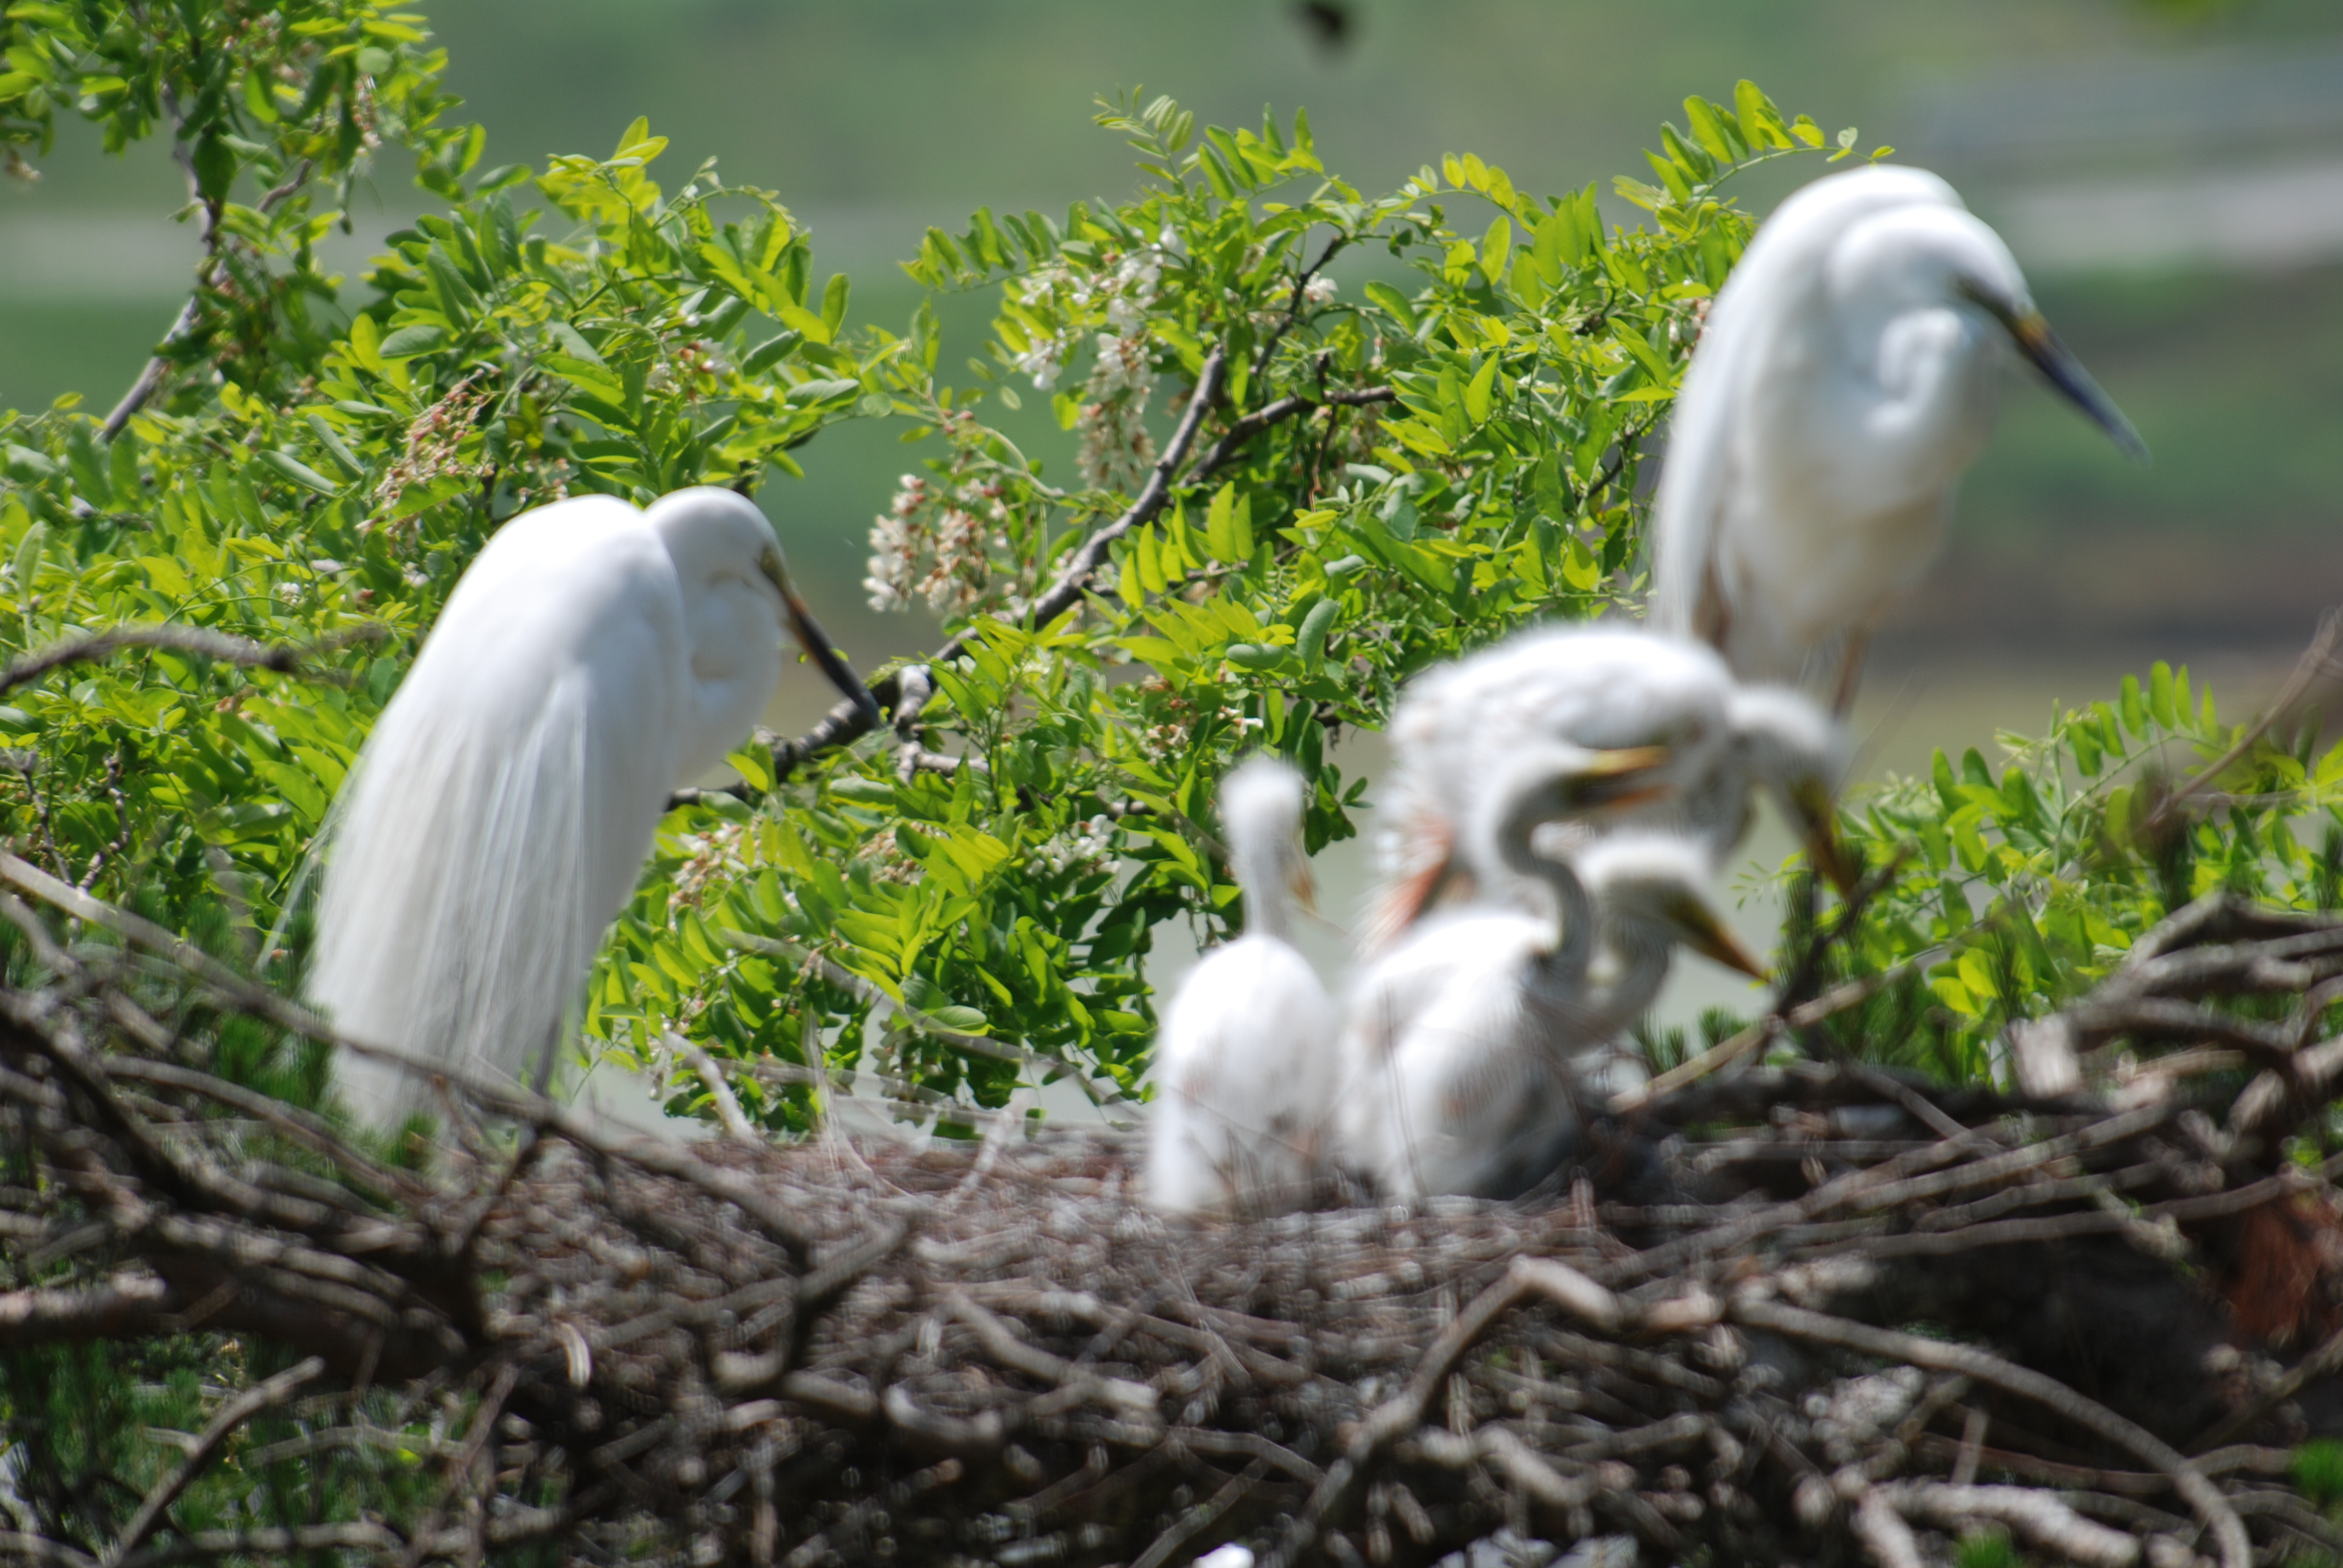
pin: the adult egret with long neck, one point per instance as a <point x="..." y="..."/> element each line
<point x="1847" y="376"/>
<point x="1246" y="1065"/>
<point x="1460" y="1041"/>
<point x="1596" y="687"/>
<point x="592" y="658"/>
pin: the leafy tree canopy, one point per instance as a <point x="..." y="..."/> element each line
<point x="1323" y="438"/>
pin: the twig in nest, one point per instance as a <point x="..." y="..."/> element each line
<point x="736" y="1122"/>
<point x="2199" y="1494"/>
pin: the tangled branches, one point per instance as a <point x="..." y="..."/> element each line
<point x="1699" y="1343"/>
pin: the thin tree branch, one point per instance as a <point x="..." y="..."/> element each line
<point x="207" y="277"/>
<point x="123" y="1307"/>
<point x="206" y="1447"/>
<point x="847" y="722"/>
<point x="737" y="1124"/>
<point x="202" y="641"/>
<point x="2316" y="660"/>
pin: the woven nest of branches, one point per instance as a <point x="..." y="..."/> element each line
<point x="1826" y="1313"/>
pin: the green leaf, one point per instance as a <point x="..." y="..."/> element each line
<point x="770" y="352"/>
<point x="1394" y="302"/>
<point x="298" y="472"/>
<point x="409" y="341"/>
<point x="1479" y="391"/>
<point x="1310" y="641"/>
<point x="1496" y="250"/>
<point x="1219" y="526"/>
<point x="833" y="303"/>
<point x="2160" y="704"/>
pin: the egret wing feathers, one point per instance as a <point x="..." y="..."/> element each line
<point x="1779" y="279"/>
<point x="499" y="813"/>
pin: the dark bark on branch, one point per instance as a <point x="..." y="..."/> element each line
<point x="847" y="722"/>
<point x="286" y="659"/>
<point x="207" y="277"/>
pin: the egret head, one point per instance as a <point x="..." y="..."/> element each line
<point x="1261" y="806"/>
<point x="1553" y="780"/>
<point x="1657" y="883"/>
<point x="721" y="542"/>
<point x="1933" y="256"/>
<point x="2033" y="340"/>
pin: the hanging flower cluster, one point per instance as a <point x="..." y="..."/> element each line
<point x="1116" y="450"/>
<point x="1084" y="845"/>
<point x="934" y="541"/>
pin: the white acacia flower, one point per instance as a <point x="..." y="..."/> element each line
<point x="1318" y="290"/>
<point x="1042" y="362"/>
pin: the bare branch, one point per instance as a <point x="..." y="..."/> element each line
<point x="125" y="1306"/>
<point x="207" y="277"/>
<point x="201" y="641"/>
<point x="728" y="1109"/>
<point x="845" y="722"/>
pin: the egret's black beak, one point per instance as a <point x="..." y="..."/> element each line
<point x="2032" y="334"/>
<point x="816" y="642"/>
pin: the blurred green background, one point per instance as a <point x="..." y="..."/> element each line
<point x="2171" y="174"/>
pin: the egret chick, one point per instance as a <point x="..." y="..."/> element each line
<point x="1462" y="1042"/>
<point x="1847" y="376"/>
<point x="1597" y="686"/>
<point x="1246" y="1060"/>
<point x="592" y="658"/>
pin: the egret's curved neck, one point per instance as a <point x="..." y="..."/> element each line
<point x="1574" y="948"/>
<point x="1260" y="873"/>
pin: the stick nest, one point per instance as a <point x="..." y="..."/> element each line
<point x="1822" y="1313"/>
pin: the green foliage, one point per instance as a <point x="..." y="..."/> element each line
<point x="1393" y="473"/>
<point x="1987" y="1548"/>
<point x="2014" y="892"/>
<point x="2316" y="1467"/>
<point x="275" y="113"/>
<point x="1397" y="471"/>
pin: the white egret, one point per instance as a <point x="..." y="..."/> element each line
<point x="1603" y="686"/>
<point x="1246" y="1064"/>
<point x="593" y="656"/>
<point x="1462" y="1042"/>
<point x="1847" y="376"/>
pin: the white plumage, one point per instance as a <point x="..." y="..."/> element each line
<point x="1246" y="1067"/>
<point x="1600" y="687"/>
<point x="592" y="658"/>
<point x="1847" y="376"/>
<point x="1462" y="1042"/>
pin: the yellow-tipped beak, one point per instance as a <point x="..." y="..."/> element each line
<point x="1700" y="927"/>
<point x="1621" y="778"/>
<point x="1818" y="816"/>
